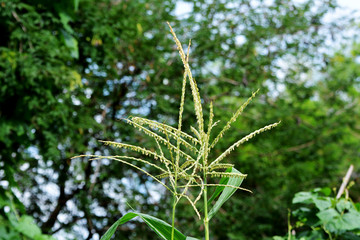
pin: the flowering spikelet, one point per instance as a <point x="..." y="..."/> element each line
<point x="183" y="90"/>
<point x="139" y="160"/>
<point x="194" y="88"/>
<point x="197" y="134"/>
<point x="188" y="163"/>
<point x="233" y="119"/>
<point x="159" y="138"/>
<point x="241" y="141"/>
<point x="163" y="127"/>
<point x="226" y="174"/>
<point x="211" y="119"/>
<point x="164" y="175"/>
<point x="182" y="102"/>
<point x="141" y="150"/>
<point x="221" y="166"/>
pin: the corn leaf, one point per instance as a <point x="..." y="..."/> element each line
<point x="161" y="228"/>
<point x="226" y="192"/>
<point x="219" y="189"/>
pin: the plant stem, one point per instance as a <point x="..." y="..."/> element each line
<point x="206" y="219"/>
<point x="173" y="218"/>
<point x="175" y="200"/>
<point x="328" y="232"/>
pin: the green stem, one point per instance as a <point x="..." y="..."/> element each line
<point x="175" y="201"/>
<point x="173" y="218"/>
<point x="328" y="232"/>
<point x="206" y="219"/>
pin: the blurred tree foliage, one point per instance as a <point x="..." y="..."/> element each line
<point x="70" y="69"/>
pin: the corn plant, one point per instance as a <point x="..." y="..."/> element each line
<point x="181" y="161"/>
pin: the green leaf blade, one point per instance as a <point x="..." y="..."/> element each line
<point x="219" y="189"/>
<point x="161" y="228"/>
<point x="226" y="192"/>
